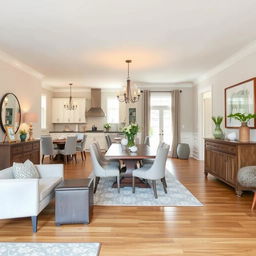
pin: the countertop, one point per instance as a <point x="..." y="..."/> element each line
<point x="89" y="131"/>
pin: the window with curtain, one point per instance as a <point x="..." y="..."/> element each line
<point x="112" y="110"/>
<point x="43" y="112"/>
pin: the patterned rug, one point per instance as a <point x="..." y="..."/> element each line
<point x="177" y="194"/>
<point x="46" y="249"/>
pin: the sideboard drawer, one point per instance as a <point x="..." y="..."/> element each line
<point x="36" y="146"/>
<point x="16" y="150"/>
<point x="28" y="147"/>
<point x="229" y="149"/>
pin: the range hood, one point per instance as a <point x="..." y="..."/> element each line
<point x="95" y="110"/>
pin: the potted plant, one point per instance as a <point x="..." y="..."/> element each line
<point x="23" y="134"/>
<point x="218" y="133"/>
<point x="107" y="126"/>
<point x="244" y="130"/>
<point x="130" y="131"/>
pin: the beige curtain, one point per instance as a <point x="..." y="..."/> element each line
<point x="146" y="114"/>
<point x="175" y="110"/>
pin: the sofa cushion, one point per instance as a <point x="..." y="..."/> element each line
<point x="47" y="185"/>
<point x="25" y="170"/>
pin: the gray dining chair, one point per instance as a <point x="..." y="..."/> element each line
<point x="102" y="170"/>
<point x="147" y="141"/>
<point x="80" y="147"/>
<point x="70" y="148"/>
<point x="47" y="147"/>
<point x="108" y="140"/>
<point x="154" y="172"/>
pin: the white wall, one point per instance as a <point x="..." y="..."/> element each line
<point x="49" y="95"/>
<point x="26" y="87"/>
<point x="237" y="72"/>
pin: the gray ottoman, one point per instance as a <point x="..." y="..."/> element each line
<point x="246" y="177"/>
<point x="183" y="151"/>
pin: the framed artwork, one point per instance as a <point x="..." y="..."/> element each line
<point x="132" y="115"/>
<point x="10" y="133"/>
<point x="240" y="98"/>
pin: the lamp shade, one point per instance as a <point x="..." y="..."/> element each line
<point x="30" y="117"/>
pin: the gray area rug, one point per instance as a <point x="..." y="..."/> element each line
<point x="177" y="195"/>
<point x="46" y="249"/>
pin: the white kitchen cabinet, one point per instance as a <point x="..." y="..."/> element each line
<point x="62" y="115"/>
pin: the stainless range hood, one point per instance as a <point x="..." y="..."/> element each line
<point x="95" y="110"/>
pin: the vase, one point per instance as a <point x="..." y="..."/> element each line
<point x="244" y="132"/>
<point x="130" y="139"/>
<point x="218" y="133"/>
<point x="23" y="137"/>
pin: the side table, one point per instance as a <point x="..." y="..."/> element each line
<point x="74" y="201"/>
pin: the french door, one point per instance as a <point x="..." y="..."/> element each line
<point x="160" y="119"/>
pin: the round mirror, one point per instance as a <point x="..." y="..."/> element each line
<point x="10" y="113"/>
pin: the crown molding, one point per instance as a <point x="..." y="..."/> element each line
<point x="19" y="65"/>
<point x="244" y="52"/>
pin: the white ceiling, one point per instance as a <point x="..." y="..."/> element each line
<point x="87" y="41"/>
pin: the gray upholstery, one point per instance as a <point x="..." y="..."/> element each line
<point x="155" y="171"/>
<point x="108" y="140"/>
<point x="80" y="147"/>
<point x="247" y="176"/>
<point x="70" y="146"/>
<point x="102" y="170"/>
<point x="102" y="158"/>
<point x="47" y="147"/>
<point x="147" y="141"/>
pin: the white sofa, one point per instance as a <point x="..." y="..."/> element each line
<point x="28" y="197"/>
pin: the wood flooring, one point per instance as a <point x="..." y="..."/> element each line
<point x="223" y="226"/>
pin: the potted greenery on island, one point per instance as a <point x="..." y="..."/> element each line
<point x="244" y="130"/>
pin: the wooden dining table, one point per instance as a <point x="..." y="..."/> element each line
<point x="119" y="152"/>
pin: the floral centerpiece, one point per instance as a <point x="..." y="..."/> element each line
<point x="23" y="134"/>
<point x="218" y="133"/>
<point x="130" y="132"/>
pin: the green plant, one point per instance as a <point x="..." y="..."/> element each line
<point x="23" y="132"/>
<point x="107" y="126"/>
<point x="217" y="120"/>
<point x="131" y="129"/>
<point x="242" y="117"/>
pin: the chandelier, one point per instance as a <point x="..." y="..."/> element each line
<point x="70" y="105"/>
<point x="130" y="93"/>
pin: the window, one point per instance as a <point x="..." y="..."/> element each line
<point x="43" y="112"/>
<point x="112" y="110"/>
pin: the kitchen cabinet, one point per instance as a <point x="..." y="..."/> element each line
<point x="62" y="115"/>
<point x="223" y="159"/>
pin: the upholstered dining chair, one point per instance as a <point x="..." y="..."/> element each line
<point x="47" y="147"/>
<point x="80" y="147"/>
<point x="154" y="172"/>
<point x="102" y="170"/>
<point x="70" y="148"/>
<point x="108" y="140"/>
<point x="147" y="141"/>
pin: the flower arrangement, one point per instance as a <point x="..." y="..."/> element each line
<point x="107" y="126"/>
<point x="218" y="133"/>
<point x="242" y="117"/>
<point x="23" y="134"/>
<point x="130" y="131"/>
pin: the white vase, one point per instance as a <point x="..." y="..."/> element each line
<point x="133" y="149"/>
<point x="124" y="142"/>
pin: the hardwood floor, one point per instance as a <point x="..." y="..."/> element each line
<point x="223" y="226"/>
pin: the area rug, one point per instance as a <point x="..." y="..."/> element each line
<point x="177" y="194"/>
<point x="46" y="249"/>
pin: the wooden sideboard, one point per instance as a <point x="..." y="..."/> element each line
<point x="19" y="152"/>
<point x="224" y="158"/>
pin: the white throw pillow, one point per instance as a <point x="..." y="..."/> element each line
<point x="25" y="170"/>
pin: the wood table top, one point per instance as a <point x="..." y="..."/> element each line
<point x="117" y="151"/>
<point x="62" y="141"/>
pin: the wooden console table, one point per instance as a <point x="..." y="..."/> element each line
<point x="224" y="158"/>
<point x="19" y="152"/>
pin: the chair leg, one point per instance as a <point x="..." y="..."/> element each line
<point x="254" y="201"/>
<point x="164" y="181"/>
<point x="65" y="159"/>
<point x="154" y="188"/>
<point x="164" y="185"/>
<point x="133" y="184"/>
<point x="34" y="220"/>
<point x="75" y="158"/>
<point x="96" y="184"/>
<point x="42" y="159"/>
<point x="82" y="156"/>
<point x="118" y="184"/>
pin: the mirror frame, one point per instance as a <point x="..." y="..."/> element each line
<point x="1" y="107"/>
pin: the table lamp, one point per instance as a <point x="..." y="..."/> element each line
<point x="30" y="118"/>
